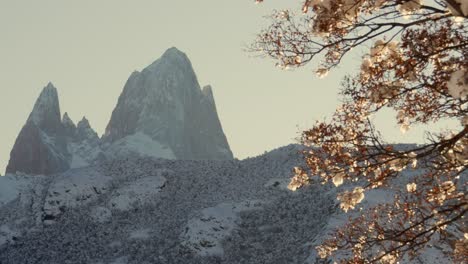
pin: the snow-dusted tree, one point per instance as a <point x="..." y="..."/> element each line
<point x="418" y="65"/>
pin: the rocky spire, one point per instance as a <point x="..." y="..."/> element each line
<point x="208" y="92"/>
<point x="164" y="101"/>
<point x="46" y="111"/>
<point x="69" y="126"/>
<point x="85" y="132"/>
<point x="41" y="147"/>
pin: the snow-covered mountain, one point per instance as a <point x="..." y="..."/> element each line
<point x="83" y="143"/>
<point x="147" y="210"/>
<point x="48" y="144"/>
<point x="41" y="146"/>
<point x="162" y="112"/>
<point x="164" y="104"/>
<point x="105" y="204"/>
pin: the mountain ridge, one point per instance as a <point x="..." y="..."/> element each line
<point x="161" y="112"/>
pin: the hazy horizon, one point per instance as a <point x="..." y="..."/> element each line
<point x="88" y="49"/>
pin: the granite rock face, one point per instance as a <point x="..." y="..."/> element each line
<point x="69" y="125"/>
<point x="41" y="146"/>
<point x="161" y="113"/>
<point x="84" y="132"/>
<point x="85" y="145"/>
<point x="165" y="102"/>
<point x="48" y="144"/>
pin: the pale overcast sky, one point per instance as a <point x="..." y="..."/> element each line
<point x="89" y="48"/>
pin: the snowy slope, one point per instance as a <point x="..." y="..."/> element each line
<point x="138" y="144"/>
<point x="10" y="188"/>
<point x="85" y="146"/>
<point x="147" y="210"/>
<point x="435" y="253"/>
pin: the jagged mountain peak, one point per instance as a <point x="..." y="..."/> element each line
<point x="46" y="110"/>
<point x="166" y="103"/>
<point x="48" y="98"/>
<point x="162" y="112"/>
<point x="50" y="87"/>
<point x="174" y="52"/>
<point x="49" y="144"/>
<point x="172" y="59"/>
<point x="84" y="123"/>
<point x="208" y="92"/>
<point x="40" y="148"/>
<point x="69" y="126"/>
<point x="48" y="94"/>
<point x="66" y="120"/>
<point x="84" y="131"/>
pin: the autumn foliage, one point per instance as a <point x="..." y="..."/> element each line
<point x="417" y="64"/>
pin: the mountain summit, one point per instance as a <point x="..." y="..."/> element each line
<point x="46" y="111"/>
<point x="162" y="113"/>
<point x="48" y="144"/>
<point x="41" y="146"/>
<point x="165" y="103"/>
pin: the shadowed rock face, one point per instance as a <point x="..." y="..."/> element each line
<point x="48" y="144"/>
<point x="46" y="112"/>
<point x="85" y="132"/>
<point x="41" y="146"/>
<point x="165" y="102"/>
<point x="70" y="127"/>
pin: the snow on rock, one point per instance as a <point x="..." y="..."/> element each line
<point x="21" y="192"/>
<point x="7" y="235"/>
<point x="72" y="189"/>
<point x="77" y="160"/>
<point x="84" y="154"/>
<point x="204" y="234"/>
<point x="85" y="132"/>
<point x="46" y="111"/>
<point x="84" y="146"/>
<point x="101" y="214"/>
<point x="140" y="234"/>
<point x="48" y="144"/>
<point x="10" y="188"/>
<point x="138" y="144"/>
<point x="70" y="127"/>
<point x="162" y="112"/>
<point x="165" y="102"/>
<point x="40" y="147"/>
<point x="280" y="183"/>
<point x="191" y="216"/>
<point x="120" y="260"/>
<point x="139" y="192"/>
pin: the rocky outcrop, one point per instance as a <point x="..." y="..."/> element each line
<point x="85" y="146"/>
<point x="165" y="102"/>
<point x="48" y="144"/>
<point x="41" y="146"/>
<point x="69" y="126"/>
<point x="84" y="132"/>
<point x="161" y="113"/>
